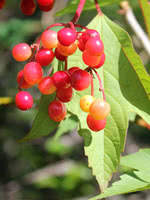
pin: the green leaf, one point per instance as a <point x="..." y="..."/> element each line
<point x="127" y="88"/>
<point x="89" y="5"/>
<point x="145" y="7"/>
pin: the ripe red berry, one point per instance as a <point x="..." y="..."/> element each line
<point x="23" y="100"/>
<point x="80" y="80"/>
<point x="59" y="56"/>
<point x="90" y="60"/>
<point x="65" y="95"/>
<point x="24" y="84"/>
<point x="2" y="3"/>
<point x="85" y="102"/>
<point x="101" y="61"/>
<point x="45" y="2"/>
<point x="95" y="125"/>
<point x="28" y="7"/>
<point x="72" y="69"/>
<point x="46" y="86"/>
<point x="49" y="39"/>
<point x="44" y="56"/>
<point x="45" y="8"/>
<point x="66" y="36"/>
<point x="94" y="47"/>
<point x="33" y="73"/>
<point x="61" y="79"/>
<point x="21" y="52"/>
<point x="57" y="111"/>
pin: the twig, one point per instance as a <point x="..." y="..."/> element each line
<point x="78" y="12"/>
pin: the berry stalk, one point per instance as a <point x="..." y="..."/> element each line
<point x="78" y="12"/>
<point x="99" y="11"/>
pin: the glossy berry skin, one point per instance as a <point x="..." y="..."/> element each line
<point x="23" y="83"/>
<point x="59" y="56"/>
<point x="33" y="73"/>
<point x="80" y="80"/>
<point x="101" y="62"/>
<point x="85" y="102"/>
<point x="23" y="100"/>
<point x="57" y="110"/>
<point x="99" y="109"/>
<point x="45" y="8"/>
<point x="49" y="39"/>
<point x="94" y="47"/>
<point x="95" y="125"/>
<point x="72" y="69"/>
<point x="90" y="60"/>
<point x="61" y="79"/>
<point x="67" y="50"/>
<point x="44" y="56"/>
<point x="46" y="86"/>
<point x="21" y="52"/>
<point x="66" y="36"/>
<point x="64" y="95"/>
<point x="2" y="3"/>
<point x="45" y="2"/>
<point x="28" y="7"/>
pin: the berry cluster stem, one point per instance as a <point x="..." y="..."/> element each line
<point x="99" y="11"/>
<point x="92" y="85"/>
<point x="66" y="64"/>
<point x="78" y="11"/>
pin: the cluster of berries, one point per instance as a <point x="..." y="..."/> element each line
<point x="62" y="44"/>
<point x="28" y="7"/>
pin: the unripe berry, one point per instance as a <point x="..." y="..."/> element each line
<point x="28" y="7"/>
<point x="21" y="52"/>
<point x="61" y="79"/>
<point x="24" y="84"/>
<point x="67" y="50"/>
<point x="65" y="95"/>
<point x="33" y="73"/>
<point x="23" y="100"/>
<point x="46" y="86"/>
<point x="44" y="56"/>
<point x="85" y="102"/>
<point x="95" y="125"/>
<point x="66" y="36"/>
<point x="90" y="60"/>
<point x="57" y="111"/>
<point x="49" y="39"/>
<point x="101" y="62"/>
<point x="94" y="47"/>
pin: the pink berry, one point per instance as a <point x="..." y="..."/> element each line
<point x="46" y="86"/>
<point x="23" y="100"/>
<point x="94" y="47"/>
<point x="33" y="73"/>
<point x="101" y="61"/>
<point x="61" y="79"/>
<point x="65" y="95"/>
<point x="95" y="125"/>
<point x="59" y="56"/>
<point x="44" y="56"/>
<point x="66" y="36"/>
<point x="49" y="39"/>
<point x="21" y="52"/>
<point x="80" y="80"/>
<point x="24" y="84"/>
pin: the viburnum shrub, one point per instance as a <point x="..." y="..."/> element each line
<point x="94" y="76"/>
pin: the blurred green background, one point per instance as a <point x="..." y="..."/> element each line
<point x="49" y="168"/>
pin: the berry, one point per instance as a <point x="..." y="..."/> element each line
<point x="61" y="79"/>
<point x="67" y="50"/>
<point x="72" y="69"/>
<point x="80" y="80"/>
<point x="28" y="7"/>
<point x="59" y="56"/>
<point x="2" y="3"/>
<point x="99" y="109"/>
<point x="94" y="47"/>
<point x="21" y="52"/>
<point x="45" y="2"/>
<point x="23" y="100"/>
<point x="66" y="36"/>
<point x="65" y="95"/>
<point x="49" y="39"/>
<point x="24" y="84"/>
<point x="57" y="111"/>
<point x="85" y="102"/>
<point x="90" y="60"/>
<point x="33" y="73"/>
<point x="46" y="86"/>
<point x="101" y="61"/>
<point x="45" y="8"/>
<point x="81" y="45"/>
<point x="95" y="125"/>
<point x="44" y="56"/>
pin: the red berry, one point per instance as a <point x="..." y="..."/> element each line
<point x="72" y="69"/>
<point x="45" y="2"/>
<point x="24" y="84"/>
<point x="59" y="56"/>
<point x="46" y="86"/>
<point x="66" y="36"/>
<point x="81" y="45"/>
<point x="45" y="8"/>
<point x="23" y="100"/>
<point x="61" y="79"/>
<point x="49" y="39"/>
<point x="80" y="80"/>
<point x="101" y="61"/>
<point x="94" y="47"/>
<point x="28" y="7"/>
<point x="57" y="111"/>
<point x="44" y="56"/>
<point x="90" y="60"/>
<point x="65" y="95"/>
<point x="2" y="3"/>
<point x="95" y="125"/>
<point x="21" y="52"/>
<point x="33" y="73"/>
<point x="67" y="50"/>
